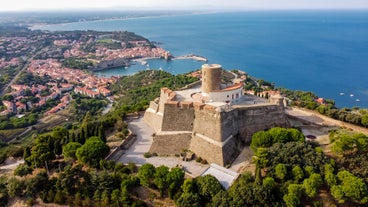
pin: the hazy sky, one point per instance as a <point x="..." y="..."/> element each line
<point x="21" y="5"/>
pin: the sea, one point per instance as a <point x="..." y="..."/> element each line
<point x="323" y="51"/>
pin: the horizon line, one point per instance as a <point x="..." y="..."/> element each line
<point x="178" y="9"/>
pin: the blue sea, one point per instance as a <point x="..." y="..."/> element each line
<point x="325" y="52"/>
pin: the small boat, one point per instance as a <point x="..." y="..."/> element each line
<point x="357" y="100"/>
<point x="351" y="95"/>
<point x="341" y="94"/>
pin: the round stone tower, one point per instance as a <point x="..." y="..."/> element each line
<point x="211" y="77"/>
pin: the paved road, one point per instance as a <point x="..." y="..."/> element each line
<point x="20" y="71"/>
<point x="142" y="145"/>
<point x="20" y="135"/>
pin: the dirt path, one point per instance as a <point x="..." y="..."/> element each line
<point x="316" y="118"/>
<point x="9" y="165"/>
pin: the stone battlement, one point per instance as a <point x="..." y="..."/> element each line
<point x="171" y="95"/>
<point x="168" y="99"/>
<point x="216" y="130"/>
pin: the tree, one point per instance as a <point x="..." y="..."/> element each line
<point x="351" y="187"/>
<point x="70" y="150"/>
<point x="92" y="152"/>
<point x="60" y="133"/>
<point x="275" y="135"/>
<point x="146" y="173"/>
<point x="101" y="133"/>
<point x="260" y="139"/>
<point x="37" y="184"/>
<point x="41" y="155"/>
<point x="364" y="120"/>
<point x="23" y="170"/>
<point x="189" y="200"/>
<point x="241" y="192"/>
<point x="72" y="180"/>
<point x="175" y="179"/>
<point x="15" y="187"/>
<point x="280" y="171"/>
<point x="221" y="199"/>
<point x="338" y="193"/>
<point x="160" y="178"/>
<point x="189" y="186"/>
<point x="115" y="198"/>
<point x="295" y="153"/>
<point x="246" y="192"/>
<point x="330" y="179"/>
<point x="86" y="125"/>
<point x="261" y="161"/>
<point x="208" y="186"/>
<point x="292" y="198"/>
<point x="298" y="173"/>
<point x="311" y="185"/>
<point x="125" y="199"/>
<point x="3" y="191"/>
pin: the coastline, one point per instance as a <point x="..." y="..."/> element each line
<point x="267" y="64"/>
<point x="199" y="58"/>
<point x="39" y="26"/>
<point x="191" y="56"/>
<point x="143" y="61"/>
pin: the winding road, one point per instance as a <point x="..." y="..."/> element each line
<point x="3" y="92"/>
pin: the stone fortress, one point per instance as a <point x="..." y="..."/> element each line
<point x="213" y="120"/>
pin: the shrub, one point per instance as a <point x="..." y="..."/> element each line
<point x="147" y="155"/>
<point x="22" y="170"/>
<point x="204" y="162"/>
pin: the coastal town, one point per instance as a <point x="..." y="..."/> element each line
<point x="68" y="61"/>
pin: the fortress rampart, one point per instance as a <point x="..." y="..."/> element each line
<point x="216" y="130"/>
<point x="213" y="133"/>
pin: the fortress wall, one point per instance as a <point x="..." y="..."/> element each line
<point x="209" y="151"/>
<point x="207" y="122"/>
<point x="191" y="85"/>
<point x="220" y="136"/>
<point x="253" y="119"/>
<point x="229" y="124"/>
<point x="215" y="136"/>
<point x="165" y="96"/>
<point x="153" y="106"/>
<point x="231" y="150"/>
<point x="154" y="120"/>
<point x="178" y="116"/>
<point x="170" y="144"/>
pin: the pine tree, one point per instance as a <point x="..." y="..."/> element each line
<point x="101" y="133"/>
